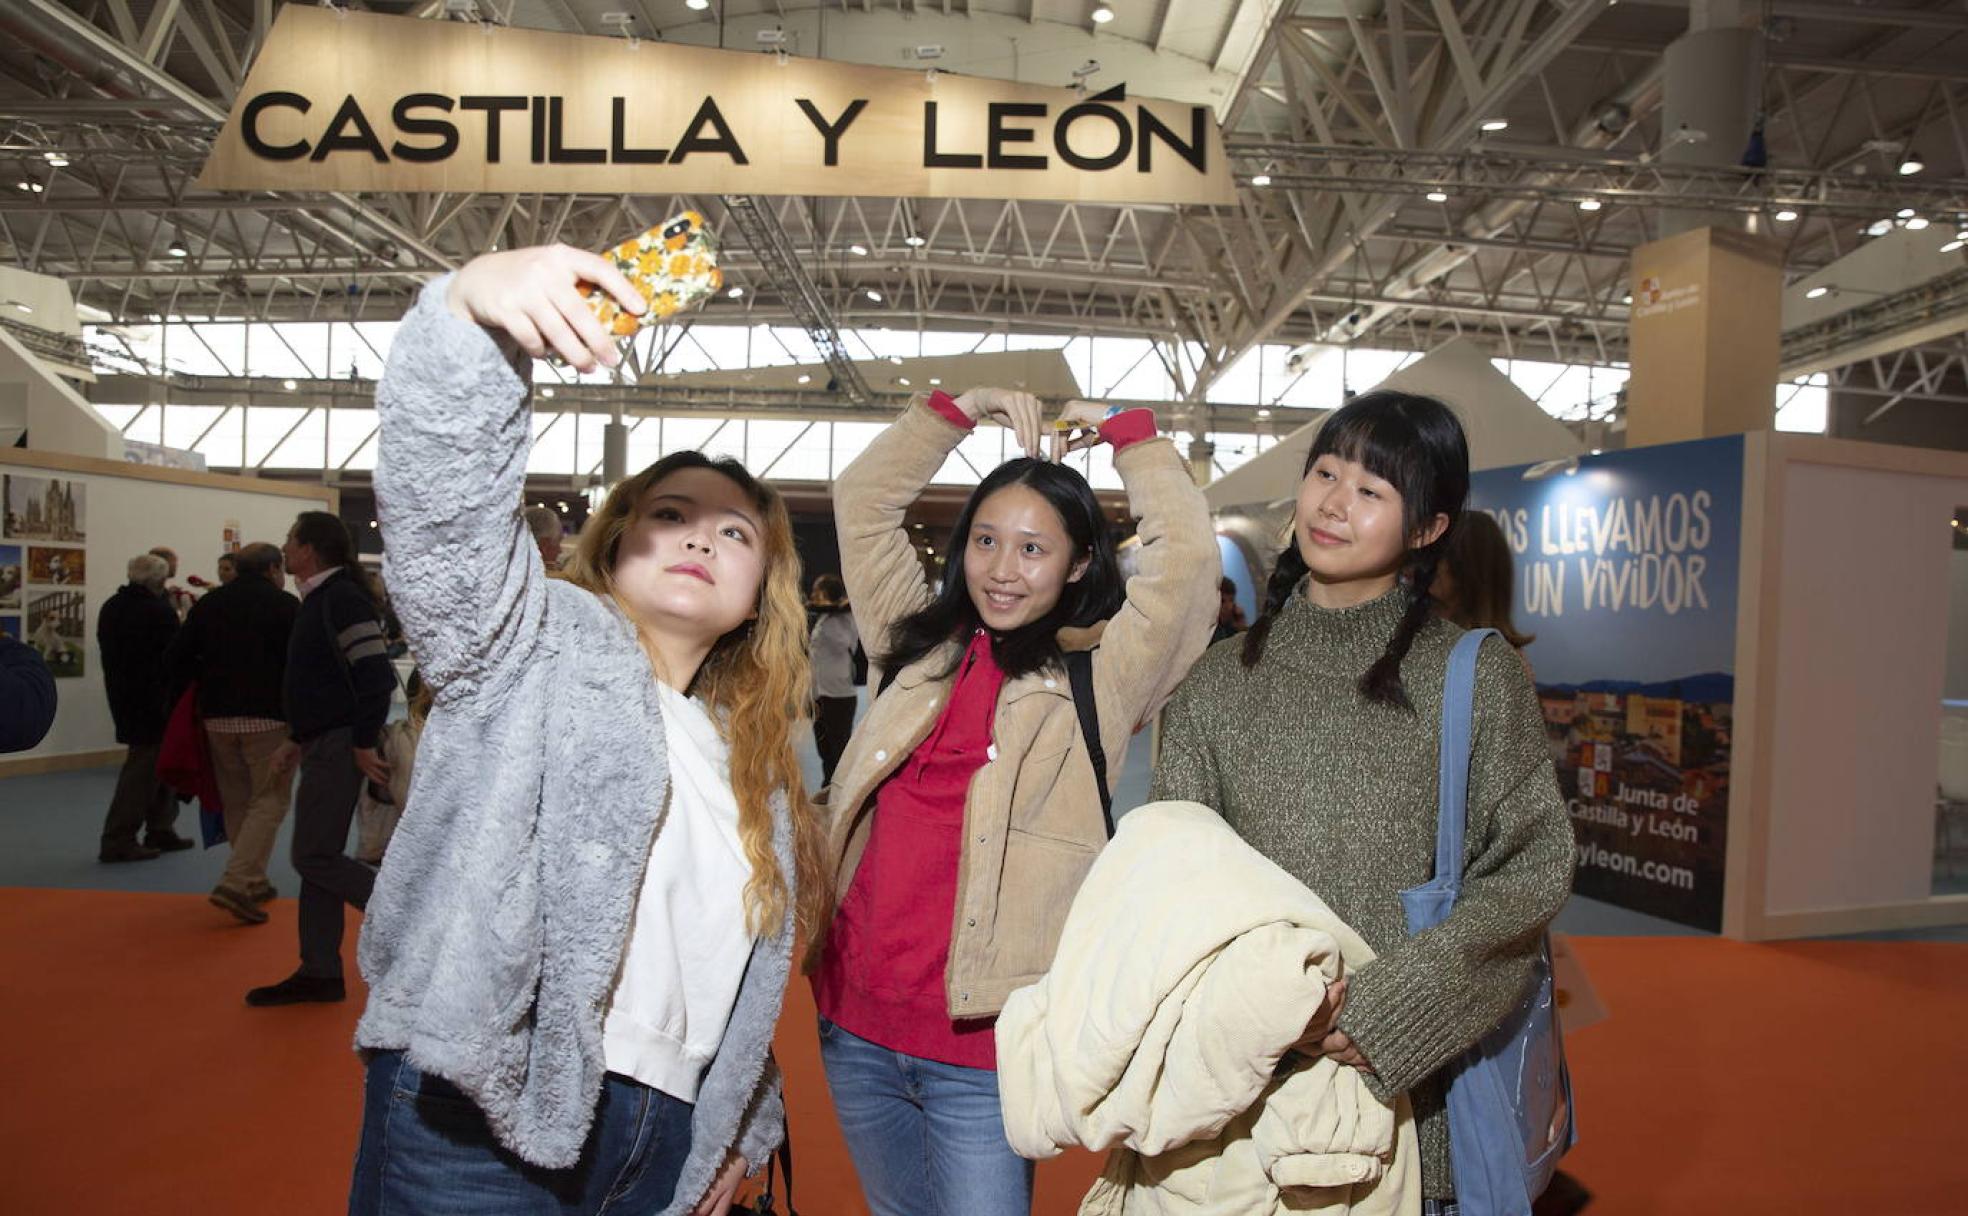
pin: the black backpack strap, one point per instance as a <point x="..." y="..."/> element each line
<point x="1079" y="670"/>
<point x="888" y="677"/>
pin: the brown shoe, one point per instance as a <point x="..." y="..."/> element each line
<point x="238" y="904"/>
<point x="266" y="892"/>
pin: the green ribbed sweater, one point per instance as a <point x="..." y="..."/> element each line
<point x="1341" y="792"/>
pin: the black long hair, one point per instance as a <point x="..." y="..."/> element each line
<point x="1095" y="596"/>
<point x="1416" y="444"/>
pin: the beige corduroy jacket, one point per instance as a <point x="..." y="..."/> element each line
<point x="1032" y="820"/>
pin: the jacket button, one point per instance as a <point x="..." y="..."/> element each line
<point x="880" y="756"/>
<point x="980" y="840"/>
<point x="965" y="997"/>
<point x="971" y="923"/>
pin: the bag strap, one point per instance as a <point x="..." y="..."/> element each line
<point x="1079" y="673"/>
<point x="1458" y="727"/>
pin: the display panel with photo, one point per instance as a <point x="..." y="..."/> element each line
<point x="56" y="626"/>
<point x="11" y="573"/>
<point x="45" y="508"/>
<point x="58" y="567"/>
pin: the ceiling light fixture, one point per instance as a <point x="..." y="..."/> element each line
<point x="914" y="242"/>
<point x="1905" y="213"/>
<point x="1817" y="293"/>
<point x="736" y="292"/>
<point x="859" y="251"/>
<point x="874" y="295"/>
<point x="1953" y="245"/>
<point x="936" y="379"/>
<point x="547" y="392"/>
<point x="1916" y="224"/>
<point x="177" y="248"/>
<point x="1260" y="180"/>
<point x="696" y="6"/>
<point x="1438" y="196"/>
<point x="1786" y="216"/>
<point x="896" y="360"/>
<point x="55" y="160"/>
<point x="1912" y="164"/>
<point x="1102" y="14"/>
<point x="1493" y="125"/>
<point x="1879" y="228"/>
<point x="1589" y="204"/>
<point x="289" y="385"/>
<point x="903" y="381"/>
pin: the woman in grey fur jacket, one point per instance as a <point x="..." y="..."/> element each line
<point x="578" y="946"/>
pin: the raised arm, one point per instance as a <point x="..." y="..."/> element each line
<point x="463" y="572"/>
<point x="885" y="580"/>
<point x="1164" y="624"/>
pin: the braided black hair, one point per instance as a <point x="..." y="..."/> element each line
<point x="1417" y="445"/>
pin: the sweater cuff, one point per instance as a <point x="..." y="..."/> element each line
<point x="946" y="406"/>
<point x="1128" y="426"/>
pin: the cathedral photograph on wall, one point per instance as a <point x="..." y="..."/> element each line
<point x="45" y="508"/>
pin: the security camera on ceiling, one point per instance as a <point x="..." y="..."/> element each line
<point x="1086" y="69"/>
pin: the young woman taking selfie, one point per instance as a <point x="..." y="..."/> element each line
<point x="578" y="946"/>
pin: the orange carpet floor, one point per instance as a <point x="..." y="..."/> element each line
<point x="1822" y="1077"/>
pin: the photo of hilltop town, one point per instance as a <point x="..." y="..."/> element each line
<point x="1645" y="773"/>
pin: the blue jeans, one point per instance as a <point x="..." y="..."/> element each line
<point x="927" y="1139"/>
<point x="426" y="1151"/>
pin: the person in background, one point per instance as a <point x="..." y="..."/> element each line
<point x="336" y="692"/>
<point x="133" y="631"/>
<point x="832" y="646"/>
<point x="179" y="597"/>
<point x="27" y="696"/>
<point x="1474" y="584"/>
<point x="382" y="806"/>
<point x="234" y="645"/>
<point x="1229" y="614"/>
<point x="548" y="531"/>
<point x="228" y="566"/>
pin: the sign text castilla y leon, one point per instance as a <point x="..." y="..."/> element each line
<point x="359" y="102"/>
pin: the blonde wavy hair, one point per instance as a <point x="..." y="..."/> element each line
<point x="756" y="681"/>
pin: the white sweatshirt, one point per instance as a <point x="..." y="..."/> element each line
<point x="688" y="944"/>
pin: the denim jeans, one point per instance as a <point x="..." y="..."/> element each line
<point x="426" y="1151"/>
<point x="927" y="1139"/>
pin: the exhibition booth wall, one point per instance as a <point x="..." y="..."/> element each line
<point x="71" y="524"/>
<point x="1740" y="650"/>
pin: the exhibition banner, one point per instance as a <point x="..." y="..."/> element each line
<point x="351" y="101"/>
<point x="1626" y="572"/>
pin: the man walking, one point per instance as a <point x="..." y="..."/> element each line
<point x="234" y="644"/>
<point x="133" y="631"/>
<point x="337" y="695"/>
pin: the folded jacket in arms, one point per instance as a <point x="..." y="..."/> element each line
<point x="1188" y="966"/>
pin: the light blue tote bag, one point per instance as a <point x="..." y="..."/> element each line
<point x="1510" y="1096"/>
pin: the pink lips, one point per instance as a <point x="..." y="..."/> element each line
<point x="1322" y="537"/>
<point x="692" y="569"/>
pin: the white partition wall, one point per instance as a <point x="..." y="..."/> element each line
<point x="104" y="513"/>
<point x="1848" y="570"/>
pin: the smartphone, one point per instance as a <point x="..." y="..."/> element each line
<point x="674" y="266"/>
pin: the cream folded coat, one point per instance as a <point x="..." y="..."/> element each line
<point x="1188" y="966"/>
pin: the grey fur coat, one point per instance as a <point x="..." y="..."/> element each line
<point x="497" y="926"/>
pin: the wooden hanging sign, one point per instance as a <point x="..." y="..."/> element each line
<point x="343" y="101"/>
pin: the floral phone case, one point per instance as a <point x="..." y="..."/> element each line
<point x="674" y="266"/>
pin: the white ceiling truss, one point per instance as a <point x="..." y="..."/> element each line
<point x="1357" y="110"/>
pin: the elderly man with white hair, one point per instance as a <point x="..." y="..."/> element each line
<point x="133" y="631"/>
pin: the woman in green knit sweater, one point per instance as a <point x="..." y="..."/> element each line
<point x="1315" y="736"/>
